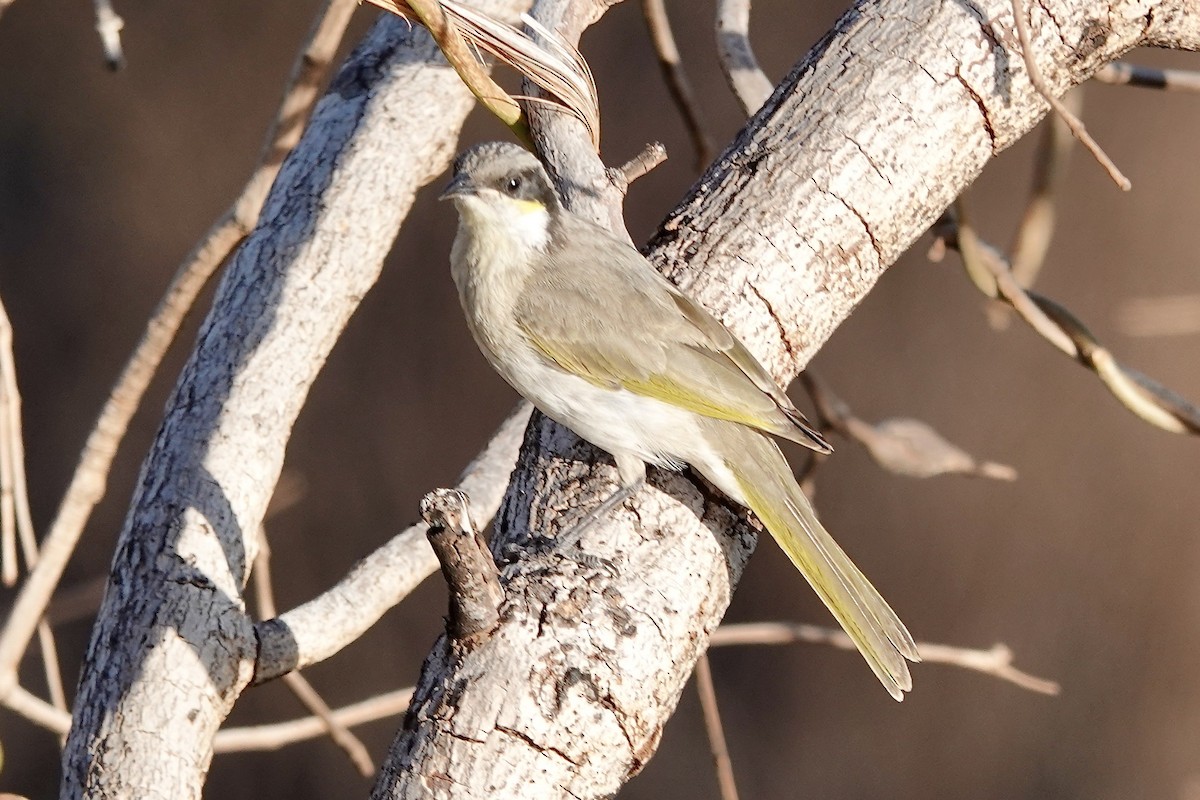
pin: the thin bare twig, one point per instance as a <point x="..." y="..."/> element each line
<point x="15" y="517"/>
<point x="989" y="271"/>
<point x="651" y="156"/>
<point x="1122" y="73"/>
<point x="253" y="737"/>
<point x="109" y="25"/>
<point x="337" y="730"/>
<point x="1074" y="123"/>
<point x="678" y="84"/>
<point x="996" y="662"/>
<point x="714" y="729"/>
<point x="1032" y="238"/>
<point x="299" y="685"/>
<point x="996" y="283"/>
<point x="281" y="734"/>
<point x="88" y="482"/>
<point x="749" y="83"/>
<point x="51" y="667"/>
<point x="38" y="711"/>
<point x="12" y="460"/>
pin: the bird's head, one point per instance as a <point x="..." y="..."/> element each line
<point x="502" y="190"/>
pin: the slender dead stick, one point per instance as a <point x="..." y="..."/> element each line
<point x="15" y="518"/>
<point x="281" y="734"/>
<point x="714" y="729"/>
<point x="990" y="272"/>
<point x="1032" y="239"/>
<point x="251" y="737"/>
<point x="996" y="662"/>
<point x="14" y="491"/>
<point x="10" y="438"/>
<point x="678" y="84"/>
<point x="1073" y="122"/>
<point x="264" y="594"/>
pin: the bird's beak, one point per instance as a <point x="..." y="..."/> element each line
<point x="460" y="186"/>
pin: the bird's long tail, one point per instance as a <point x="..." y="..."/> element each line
<point x="769" y="489"/>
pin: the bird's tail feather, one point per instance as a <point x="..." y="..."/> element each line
<point x="772" y="493"/>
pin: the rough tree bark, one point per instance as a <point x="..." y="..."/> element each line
<point x="173" y="646"/>
<point x="851" y="159"/>
<point x="856" y="153"/>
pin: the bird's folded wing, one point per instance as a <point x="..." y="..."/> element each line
<point x="624" y="326"/>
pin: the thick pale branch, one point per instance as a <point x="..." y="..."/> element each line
<point x="175" y="606"/>
<point x="833" y="179"/>
<point x="1173" y="24"/>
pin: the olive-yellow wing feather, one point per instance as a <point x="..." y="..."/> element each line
<point x="656" y="342"/>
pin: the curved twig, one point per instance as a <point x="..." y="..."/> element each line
<point x="989" y="271"/>
<point x="304" y="691"/>
<point x="714" y="729"/>
<point x="678" y="84"/>
<point x="1031" y="241"/>
<point x="1073" y="122"/>
<point x="996" y="662"/>
<point x="749" y="83"/>
<point x="281" y="734"/>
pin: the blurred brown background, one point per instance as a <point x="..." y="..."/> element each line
<point x="1086" y="566"/>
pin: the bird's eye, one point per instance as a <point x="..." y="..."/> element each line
<point x="512" y="185"/>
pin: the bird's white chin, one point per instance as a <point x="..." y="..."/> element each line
<point x="500" y="223"/>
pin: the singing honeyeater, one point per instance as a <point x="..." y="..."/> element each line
<point x="585" y="328"/>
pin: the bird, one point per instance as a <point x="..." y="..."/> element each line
<point x="582" y="325"/>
